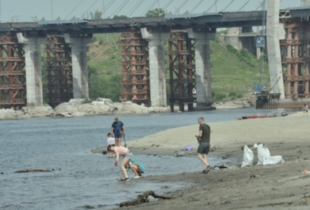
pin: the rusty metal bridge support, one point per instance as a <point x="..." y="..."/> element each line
<point x="12" y="73"/>
<point x="296" y="59"/>
<point x="59" y="70"/>
<point x="181" y="71"/>
<point x="135" y="67"/>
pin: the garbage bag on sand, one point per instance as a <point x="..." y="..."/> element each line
<point x="264" y="157"/>
<point x="188" y="148"/>
<point x="248" y="157"/>
<point x="263" y="153"/>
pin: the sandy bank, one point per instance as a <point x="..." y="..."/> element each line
<point x="228" y="137"/>
<point x="258" y="187"/>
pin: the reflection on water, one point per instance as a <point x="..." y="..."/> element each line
<point x="85" y="178"/>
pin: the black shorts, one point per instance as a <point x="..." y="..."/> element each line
<point x="203" y="148"/>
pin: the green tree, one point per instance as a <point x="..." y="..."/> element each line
<point x="120" y="17"/>
<point x="158" y="12"/>
<point x="96" y="15"/>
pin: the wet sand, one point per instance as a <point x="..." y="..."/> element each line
<point x="258" y="187"/>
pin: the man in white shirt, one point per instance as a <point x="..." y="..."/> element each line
<point x="111" y="141"/>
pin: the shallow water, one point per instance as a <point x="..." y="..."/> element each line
<point x="85" y="178"/>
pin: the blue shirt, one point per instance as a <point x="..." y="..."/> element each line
<point x="141" y="166"/>
<point x="117" y="127"/>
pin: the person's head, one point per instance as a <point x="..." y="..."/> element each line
<point x="116" y="119"/>
<point x="111" y="148"/>
<point x="110" y="135"/>
<point x="201" y="121"/>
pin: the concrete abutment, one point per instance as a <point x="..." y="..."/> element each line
<point x="34" y="88"/>
<point x="203" y="65"/>
<point x="79" y="64"/>
<point x="157" y="67"/>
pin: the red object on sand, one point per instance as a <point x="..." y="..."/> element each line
<point x="254" y="117"/>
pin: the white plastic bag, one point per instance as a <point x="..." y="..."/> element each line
<point x="248" y="157"/>
<point x="274" y="160"/>
<point x="264" y="157"/>
<point x="263" y="154"/>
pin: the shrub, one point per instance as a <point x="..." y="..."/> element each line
<point x="219" y="97"/>
<point x="239" y="95"/>
<point x="232" y="94"/>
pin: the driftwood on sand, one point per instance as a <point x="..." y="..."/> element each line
<point x="27" y="170"/>
<point x="142" y="199"/>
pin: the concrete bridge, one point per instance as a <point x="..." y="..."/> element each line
<point x="142" y="40"/>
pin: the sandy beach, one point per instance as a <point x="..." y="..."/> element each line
<point x="281" y="186"/>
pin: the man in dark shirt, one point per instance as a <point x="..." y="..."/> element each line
<point x="118" y="130"/>
<point x="204" y="144"/>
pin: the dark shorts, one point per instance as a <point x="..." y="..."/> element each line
<point x="117" y="135"/>
<point x="203" y="148"/>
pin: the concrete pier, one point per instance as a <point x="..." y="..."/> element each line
<point x="156" y="41"/>
<point x="203" y="66"/>
<point x="34" y="88"/>
<point x="79" y="64"/>
<point x="275" y="32"/>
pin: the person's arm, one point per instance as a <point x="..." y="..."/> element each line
<point x="199" y="136"/>
<point x="112" y="128"/>
<point x="117" y="157"/>
<point x="123" y="128"/>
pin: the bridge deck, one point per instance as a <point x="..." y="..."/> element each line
<point x="198" y="22"/>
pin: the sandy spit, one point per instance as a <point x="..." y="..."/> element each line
<point x="257" y="187"/>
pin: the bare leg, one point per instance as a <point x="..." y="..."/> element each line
<point x="118" y="141"/>
<point x="134" y="169"/>
<point x="123" y="166"/>
<point x="206" y="158"/>
<point x="203" y="159"/>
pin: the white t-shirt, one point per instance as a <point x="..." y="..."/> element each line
<point x="111" y="140"/>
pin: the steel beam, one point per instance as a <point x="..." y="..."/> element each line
<point x="296" y="58"/>
<point x="12" y="73"/>
<point x="135" y="67"/>
<point x="59" y="70"/>
<point x="181" y="70"/>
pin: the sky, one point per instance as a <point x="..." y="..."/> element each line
<point x="29" y="10"/>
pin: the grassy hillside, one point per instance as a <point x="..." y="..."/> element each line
<point x="233" y="72"/>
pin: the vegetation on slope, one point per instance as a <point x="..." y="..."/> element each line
<point x="233" y="72"/>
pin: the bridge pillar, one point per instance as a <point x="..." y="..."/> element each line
<point x="12" y="73"/>
<point x="203" y="66"/>
<point x="34" y="88"/>
<point x="181" y="70"/>
<point x="135" y="64"/>
<point x="59" y="70"/>
<point x="79" y="64"/>
<point x="156" y="41"/>
<point x="275" y="32"/>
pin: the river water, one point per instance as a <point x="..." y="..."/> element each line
<point x="85" y="178"/>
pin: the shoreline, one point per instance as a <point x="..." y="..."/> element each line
<point x="99" y="107"/>
<point x="256" y="187"/>
<point x="78" y="108"/>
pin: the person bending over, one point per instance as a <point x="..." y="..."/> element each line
<point x="127" y="156"/>
<point x="137" y="167"/>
